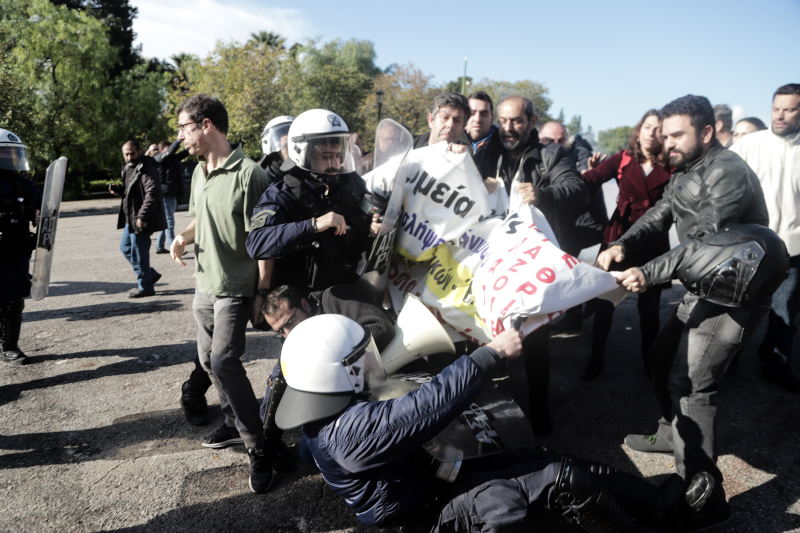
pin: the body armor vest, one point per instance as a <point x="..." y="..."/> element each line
<point x="15" y="216"/>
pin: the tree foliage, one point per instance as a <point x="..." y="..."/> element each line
<point x="62" y="60"/>
<point x="407" y="96"/>
<point x="613" y="140"/>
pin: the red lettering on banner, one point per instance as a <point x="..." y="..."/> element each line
<point x="550" y="316"/>
<point x="504" y="279"/>
<point x="497" y="327"/>
<point x="491" y="305"/>
<point x="484" y="294"/>
<point x="519" y="262"/>
<point x="393" y="270"/>
<point x="514" y="249"/>
<point x="507" y="307"/>
<point x="527" y="287"/>
<point x="570" y="261"/>
<point x="545" y="240"/>
<point x="546" y="275"/>
<point x="533" y="252"/>
<point x="496" y="263"/>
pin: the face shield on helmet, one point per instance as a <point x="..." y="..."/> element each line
<point x="727" y="283"/>
<point x="13" y="154"/>
<point x="320" y="142"/>
<point x="326" y="361"/>
<point x="275" y="137"/>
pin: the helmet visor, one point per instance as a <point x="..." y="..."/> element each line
<point x="330" y="154"/>
<point x="14" y="157"/>
<point x="276" y="139"/>
<point x="364" y="366"/>
<point x="727" y="283"/>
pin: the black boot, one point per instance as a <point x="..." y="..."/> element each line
<point x="11" y="318"/>
<point x="587" y="503"/>
<point x="278" y="453"/>
<point x="193" y="402"/>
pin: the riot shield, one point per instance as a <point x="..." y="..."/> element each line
<point x="46" y="234"/>
<point x="385" y="186"/>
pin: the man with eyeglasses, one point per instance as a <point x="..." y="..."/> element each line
<point x="284" y="309"/>
<point x="225" y="188"/>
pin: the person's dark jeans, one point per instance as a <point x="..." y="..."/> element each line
<point x="688" y="361"/>
<point x="648" y="304"/>
<point x="775" y="351"/>
<point x="165" y="238"/>
<point x="536" y="354"/>
<point x="136" y="249"/>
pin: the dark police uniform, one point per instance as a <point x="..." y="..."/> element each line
<point x="19" y="201"/>
<point x="281" y="229"/>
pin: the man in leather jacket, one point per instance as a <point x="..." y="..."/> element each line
<point x="549" y="180"/>
<point x="710" y="188"/>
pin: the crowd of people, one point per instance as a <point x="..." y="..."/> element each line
<point x="277" y="244"/>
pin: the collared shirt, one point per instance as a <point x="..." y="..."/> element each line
<point x="222" y="204"/>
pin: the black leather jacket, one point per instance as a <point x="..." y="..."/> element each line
<point x="701" y="198"/>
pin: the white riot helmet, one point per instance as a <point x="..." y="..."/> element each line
<point x="13" y="154"/>
<point x="326" y="360"/>
<point x="319" y="142"/>
<point x="275" y="136"/>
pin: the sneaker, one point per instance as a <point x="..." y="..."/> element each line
<point x="141" y="293"/>
<point x="650" y="444"/>
<point x="280" y="456"/>
<point x="194" y="407"/>
<point x="260" y="470"/>
<point x="222" y="437"/>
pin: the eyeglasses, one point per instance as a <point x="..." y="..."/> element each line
<point x="289" y="324"/>
<point x="181" y="126"/>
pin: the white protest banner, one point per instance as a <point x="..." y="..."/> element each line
<point x="525" y="275"/>
<point x="444" y="196"/>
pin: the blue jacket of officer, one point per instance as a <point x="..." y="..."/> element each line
<point x="364" y="454"/>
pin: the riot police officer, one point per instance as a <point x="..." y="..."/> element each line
<point x="275" y="145"/>
<point x="311" y="222"/>
<point x="20" y="202"/>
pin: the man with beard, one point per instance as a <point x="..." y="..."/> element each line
<point x="774" y="155"/>
<point x="548" y="180"/>
<point x="711" y="187"/>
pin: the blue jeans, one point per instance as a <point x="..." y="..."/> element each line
<point x="775" y="351"/>
<point x="168" y="235"/>
<point x="688" y="360"/>
<point x="136" y="249"/>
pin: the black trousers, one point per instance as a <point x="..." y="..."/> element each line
<point x="536" y="354"/>
<point x="647" y="304"/>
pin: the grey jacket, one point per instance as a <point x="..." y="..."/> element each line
<point x="701" y="198"/>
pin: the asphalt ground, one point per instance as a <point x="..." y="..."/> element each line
<point x="93" y="438"/>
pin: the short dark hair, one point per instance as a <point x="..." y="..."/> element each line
<point x="756" y="122"/>
<point x="699" y="109"/>
<point x="789" y="88"/>
<point x="527" y="105"/>
<point x="483" y="96"/>
<point x="723" y="113"/>
<point x="135" y="144"/>
<point x="454" y="100"/>
<point x="285" y="293"/>
<point x="164" y="144"/>
<point x="202" y="106"/>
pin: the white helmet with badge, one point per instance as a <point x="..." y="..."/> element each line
<point x="326" y="360"/>
<point x="320" y="142"/>
<point x="274" y="138"/>
<point x="13" y="154"/>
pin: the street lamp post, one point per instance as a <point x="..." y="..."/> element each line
<point x="379" y="101"/>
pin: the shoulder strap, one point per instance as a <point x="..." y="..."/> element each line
<point x="304" y="196"/>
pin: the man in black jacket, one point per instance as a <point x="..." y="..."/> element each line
<point x="168" y="161"/>
<point x="447" y="119"/>
<point x="548" y="180"/>
<point x="141" y="212"/>
<point x="711" y="187"/>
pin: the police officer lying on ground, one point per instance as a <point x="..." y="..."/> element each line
<point x="366" y="450"/>
<point x="20" y="202"/>
<point x="311" y="222"/>
<point x="284" y="309"/>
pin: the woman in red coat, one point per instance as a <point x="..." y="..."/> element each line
<point x="642" y="173"/>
